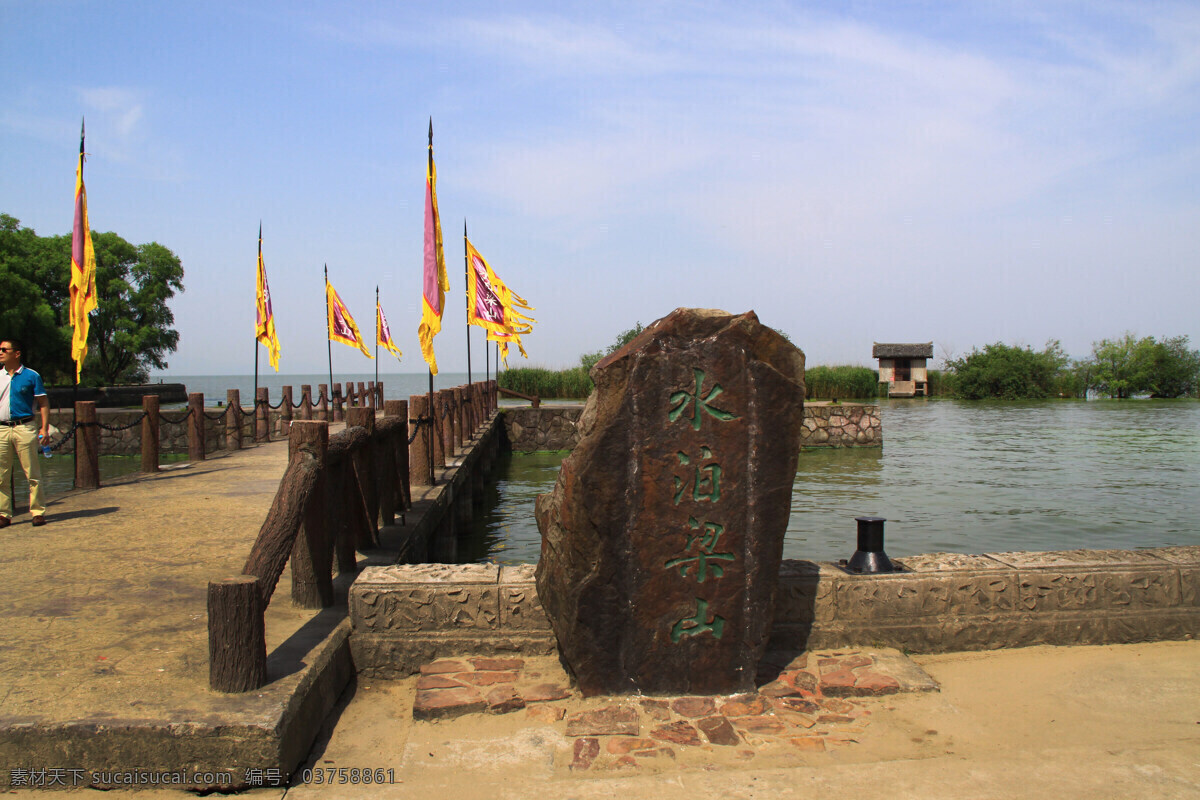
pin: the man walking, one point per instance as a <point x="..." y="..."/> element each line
<point x="21" y="391"/>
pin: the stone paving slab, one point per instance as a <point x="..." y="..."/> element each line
<point x="808" y="703"/>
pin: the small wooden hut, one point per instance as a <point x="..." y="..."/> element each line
<point x="902" y="368"/>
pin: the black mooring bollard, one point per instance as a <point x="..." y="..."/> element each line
<point x="869" y="558"/>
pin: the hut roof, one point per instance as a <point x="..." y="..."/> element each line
<point x="892" y="350"/>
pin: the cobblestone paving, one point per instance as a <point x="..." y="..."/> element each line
<point x="812" y="703"/>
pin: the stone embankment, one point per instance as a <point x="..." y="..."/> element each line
<point x="552" y="427"/>
<point x="404" y="616"/>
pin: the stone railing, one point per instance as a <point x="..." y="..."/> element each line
<point x="553" y="427"/>
<point x="407" y="615"/>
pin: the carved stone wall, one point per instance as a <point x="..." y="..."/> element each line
<point x="553" y="427"/>
<point x="943" y="602"/>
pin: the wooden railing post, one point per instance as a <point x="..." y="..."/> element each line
<point x="362" y="394"/>
<point x="338" y="416"/>
<point x="306" y="403"/>
<point x="420" y="467"/>
<point x="459" y="424"/>
<point x="150" y="433"/>
<point x="371" y="395"/>
<point x="364" y="465"/>
<point x="447" y="401"/>
<point x="87" y="446"/>
<point x="262" y="414"/>
<point x="312" y="567"/>
<point x="379" y="401"/>
<point x="323" y="402"/>
<point x="399" y="408"/>
<point x="438" y="412"/>
<point x="351" y="398"/>
<point x="195" y="427"/>
<point x="237" y="636"/>
<point x="233" y="419"/>
<point x="285" y="417"/>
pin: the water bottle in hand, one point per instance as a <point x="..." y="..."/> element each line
<point x="45" y="444"/>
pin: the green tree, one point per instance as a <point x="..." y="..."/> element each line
<point x="588" y="360"/>
<point x="1121" y="365"/>
<point x="1174" y="369"/>
<point x="131" y="329"/>
<point x="1008" y="373"/>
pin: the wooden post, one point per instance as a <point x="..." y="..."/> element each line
<point x="379" y="401"/>
<point x="447" y="401"/>
<point x="195" y="426"/>
<point x="438" y="412"/>
<point x="306" y="403"/>
<point x="285" y="417"/>
<point x="362" y="394"/>
<point x="323" y="402"/>
<point x="337" y="403"/>
<point x="312" y="580"/>
<point x="262" y="415"/>
<point x="150" y="433"/>
<point x="87" y="446"/>
<point x="233" y="419"/>
<point x="459" y="419"/>
<point x="364" y="465"/>
<point x="399" y="408"/>
<point x="351" y="397"/>
<point x="371" y="394"/>
<point x="420" y="470"/>
<point x="237" y="639"/>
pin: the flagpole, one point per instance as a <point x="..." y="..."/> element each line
<point x="328" y="333"/>
<point x="376" y="336"/>
<point x="467" y="297"/>
<point x="256" y="320"/>
<point x="432" y="417"/>
<point x="78" y="367"/>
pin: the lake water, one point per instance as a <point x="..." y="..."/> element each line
<point x="957" y="477"/>
<point x="396" y="386"/>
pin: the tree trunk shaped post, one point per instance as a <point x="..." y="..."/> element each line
<point x="262" y="414"/>
<point x="150" y="433"/>
<point x="87" y="446"/>
<point x="233" y="419"/>
<point x="420" y="470"/>
<point x="446" y="399"/>
<point x="285" y="417"/>
<point x="438" y="412"/>
<point x="338" y="415"/>
<point x="351" y="397"/>
<point x="195" y="426"/>
<point x="237" y="638"/>
<point x="371" y="395"/>
<point x="362" y="394"/>
<point x="379" y="401"/>
<point x="323" y="402"/>
<point x="399" y="443"/>
<point x="306" y="403"/>
<point x="312" y="567"/>
<point x="364" y="465"/>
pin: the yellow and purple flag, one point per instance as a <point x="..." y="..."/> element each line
<point x="264" y="324"/>
<point x="435" y="283"/>
<point x="383" y="333"/>
<point x="490" y="303"/>
<point x="83" y="269"/>
<point x="341" y="325"/>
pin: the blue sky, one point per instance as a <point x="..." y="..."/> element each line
<point x="854" y="171"/>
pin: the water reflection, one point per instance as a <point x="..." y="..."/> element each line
<point x="959" y="477"/>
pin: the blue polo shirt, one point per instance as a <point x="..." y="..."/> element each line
<point x="18" y="391"/>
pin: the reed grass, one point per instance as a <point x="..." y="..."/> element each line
<point x="568" y="384"/>
<point x="842" y="383"/>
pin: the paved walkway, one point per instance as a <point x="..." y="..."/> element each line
<point x="103" y="610"/>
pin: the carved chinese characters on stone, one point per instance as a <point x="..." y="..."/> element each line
<point x="662" y="539"/>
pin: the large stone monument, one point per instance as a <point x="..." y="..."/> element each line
<point x="662" y="539"/>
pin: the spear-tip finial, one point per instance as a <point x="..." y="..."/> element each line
<point x="431" y="131"/>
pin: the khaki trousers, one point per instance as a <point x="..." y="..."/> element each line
<point x="21" y="441"/>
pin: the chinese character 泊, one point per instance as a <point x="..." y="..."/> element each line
<point x="705" y="480"/>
